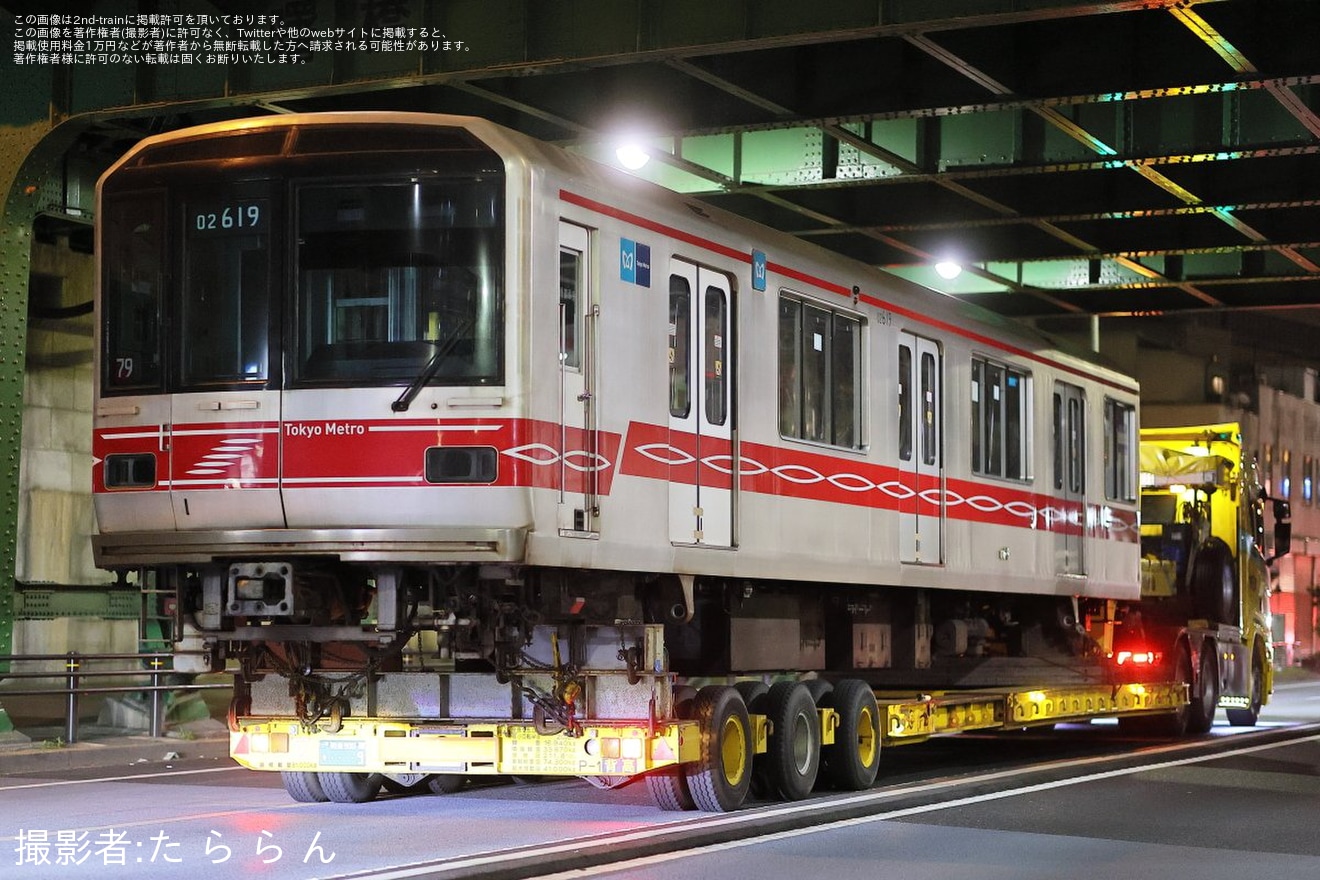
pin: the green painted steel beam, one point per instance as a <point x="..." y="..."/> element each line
<point x="40" y="603"/>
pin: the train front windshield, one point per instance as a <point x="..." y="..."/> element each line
<point x="304" y="268"/>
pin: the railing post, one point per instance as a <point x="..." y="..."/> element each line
<point x="71" y="665"/>
<point x="157" y="717"/>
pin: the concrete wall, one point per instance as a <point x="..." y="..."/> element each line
<point x="55" y="506"/>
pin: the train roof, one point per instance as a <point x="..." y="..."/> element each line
<point x="924" y="303"/>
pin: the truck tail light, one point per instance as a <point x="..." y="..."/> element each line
<point x="1140" y="657"/>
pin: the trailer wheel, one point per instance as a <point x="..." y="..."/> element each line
<point x="303" y="786"/>
<point x="1247" y="717"/>
<point x="853" y="761"/>
<point x="792" y="756"/>
<point x="720" y="778"/>
<point x="1205" y="693"/>
<point x="668" y="786"/>
<point x="350" y="788"/>
<point x="754" y="695"/>
<point x="669" y="790"/>
<point x="445" y="783"/>
<point x="819" y="689"/>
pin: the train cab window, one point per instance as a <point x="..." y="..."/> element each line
<point x="716" y="380"/>
<point x="224" y="301"/>
<point x="1000" y="420"/>
<point x="1120" y="451"/>
<point x="133" y="274"/>
<point x="400" y="281"/>
<point x="680" y="354"/>
<point x="819" y="374"/>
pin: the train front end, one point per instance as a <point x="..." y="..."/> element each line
<point x="304" y="402"/>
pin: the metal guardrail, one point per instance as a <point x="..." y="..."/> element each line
<point x="75" y="678"/>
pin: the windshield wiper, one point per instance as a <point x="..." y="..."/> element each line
<point x="442" y="350"/>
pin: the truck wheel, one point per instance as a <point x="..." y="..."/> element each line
<point x="853" y="761"/>
<point x="350" y="788"/>
<point x="1205" y="695"/>
<point x="303" y="786"/>
<point x="722" y="774"/>
<point x="1247" y="717"/>
<point x="792" y="755"/>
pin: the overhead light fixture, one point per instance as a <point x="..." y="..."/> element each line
<point x="948" y="269"/>
<point x="632" y="156"/>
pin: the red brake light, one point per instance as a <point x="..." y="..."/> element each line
<point x="1136" y="658"/>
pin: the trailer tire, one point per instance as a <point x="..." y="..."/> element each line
<point x="1248" y="717"/>
<point x="1205" y="694"/>
<point x="754" y="694"/>
<point x="819" y="689"/>
<point x="350" y="788"/>
<point x="445" y="783"/>
<point x="722" y="774"/>
<point x="304" y="786"/>
<point x="792" y="756"/>
<point x="668" y="785"/>
<point x="669" y="790"/>
<point x="853" y="761"/>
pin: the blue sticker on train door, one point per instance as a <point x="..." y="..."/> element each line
<point x="628" y="260"/>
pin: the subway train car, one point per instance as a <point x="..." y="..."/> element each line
<point x="386" y="389"/>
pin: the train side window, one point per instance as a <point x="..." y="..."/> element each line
<point x="790" y="374"/>
<point x="1076" y="440"/>
<point x="815" y="374"/>
<point x="928" y="392"/>
<point x="570" y="287"/>
<point x="680" y="354"/>
<point x="845" y="367"/>
<point x="1069" y="439"/>
<point x="820" y="373"/>
<point x="1058" y="440"/>
<point x="1120" y="451"/>
<point x="716" y="380"/>
<point x="905" y="402"/>
<point x="1001" y="413"/>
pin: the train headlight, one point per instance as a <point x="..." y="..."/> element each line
<point x="130" y="471"/>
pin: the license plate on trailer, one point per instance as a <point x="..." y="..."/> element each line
<point x="345" y="753"/>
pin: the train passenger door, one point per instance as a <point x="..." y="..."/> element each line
<point x="579" y="507"/>
<point x="920" y="449"/>
<point x="701" y="356"/>
<point x="1069" y="519"/>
